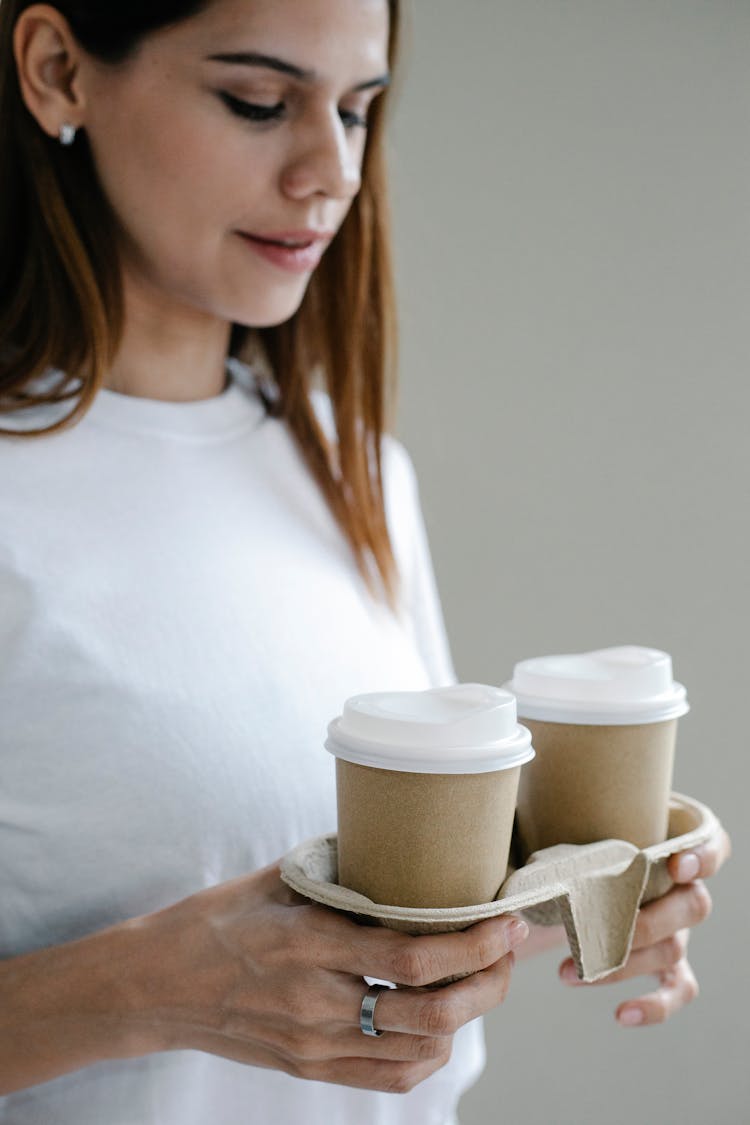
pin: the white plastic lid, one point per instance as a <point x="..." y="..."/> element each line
<point x="466" y="728"/>
<point x="614" y="686"/>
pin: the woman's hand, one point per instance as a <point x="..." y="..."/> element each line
<point x="661" y="937"/>
<point x="251" y="971"/>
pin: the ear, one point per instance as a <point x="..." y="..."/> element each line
<point x="48" y="62"/>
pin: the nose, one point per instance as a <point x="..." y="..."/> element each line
<point x="326" y="160"/>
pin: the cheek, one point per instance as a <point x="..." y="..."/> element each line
<point x="169" y="172"/>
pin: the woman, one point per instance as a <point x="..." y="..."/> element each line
<point x="207" y="545"/>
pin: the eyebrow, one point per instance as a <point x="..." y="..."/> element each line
<point x="270" y="62"/>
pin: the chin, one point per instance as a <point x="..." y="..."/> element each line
<point x="271" y="313"/>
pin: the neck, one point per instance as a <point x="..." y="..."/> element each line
<point x="176" y="355"/>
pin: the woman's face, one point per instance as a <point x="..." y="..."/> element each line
<point x="229" y="177"/>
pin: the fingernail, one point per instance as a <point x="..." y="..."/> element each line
<point x="630" y="1017"/>
<point x="569" y="973"/>
<point x="518" y="931"/>
<point x="688" y="867"/>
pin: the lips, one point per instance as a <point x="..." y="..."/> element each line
<point x="292" y="239"/>
<point x="297" y="251"/>
<point x="282" y="242"/>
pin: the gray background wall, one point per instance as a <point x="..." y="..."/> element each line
<point x="571" y="182"/>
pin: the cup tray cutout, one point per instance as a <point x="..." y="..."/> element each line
<point x="595" y="890"/>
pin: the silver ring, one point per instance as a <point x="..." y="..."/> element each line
<point x="367" y="1010"/>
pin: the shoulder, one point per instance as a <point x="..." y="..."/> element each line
<point x="400" y="488"/>
<point x="398" y="468"/>
<point x="403" y="509"/>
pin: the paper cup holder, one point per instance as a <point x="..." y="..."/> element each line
<point x="595" y="890"/>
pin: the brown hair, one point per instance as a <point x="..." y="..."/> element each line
<point x="57" y="271"/>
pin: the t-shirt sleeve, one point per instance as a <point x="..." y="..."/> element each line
<point x="419" y="598"/>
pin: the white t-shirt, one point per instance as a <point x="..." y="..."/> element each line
<point x="180" y="618"/>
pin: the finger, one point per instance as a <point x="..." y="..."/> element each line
<point x="681" y="908"/>
<point x="701" y="862"/>
<point x="306" y="1035"/>
<point x="390" y="1075"/>
<point x="375" y="1074"/>
<point x="652" y="961"/>
<point x="420" y="961"/>
<point x="391" y="1045"/>
<point x="678" y="987"/>
<point x="440" y="1012"/>
<point x="308" y="1045"/>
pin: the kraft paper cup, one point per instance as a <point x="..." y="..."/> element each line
<point x="426" y="791"/>
<point x="604" y="727"/>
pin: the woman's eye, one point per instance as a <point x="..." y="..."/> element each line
<point x="260" y="113"/>
<point x="252" y="112"/>
<point x="353" y="120"/>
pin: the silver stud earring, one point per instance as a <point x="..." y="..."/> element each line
<point x="67" y="134"/>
